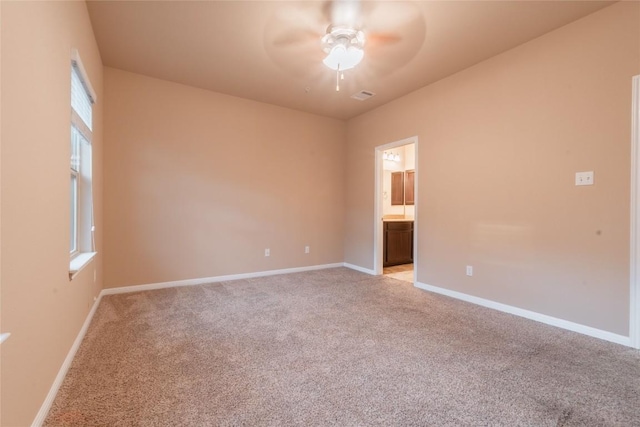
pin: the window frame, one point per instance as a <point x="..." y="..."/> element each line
<point x="81" y="241"/>
<point x="74" y="238"/>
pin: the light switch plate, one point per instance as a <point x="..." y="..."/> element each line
<point x="584" y="178"/>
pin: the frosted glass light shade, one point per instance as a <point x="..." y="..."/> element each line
<point x="343" y="58"/>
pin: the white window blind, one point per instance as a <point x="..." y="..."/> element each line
<point x="80" y="99"/>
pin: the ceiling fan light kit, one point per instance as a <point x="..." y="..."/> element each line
<point x="344" y="49"/>
<point x="343" y="58"/>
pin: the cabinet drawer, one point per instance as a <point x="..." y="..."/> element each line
<point x="399" y="226"/>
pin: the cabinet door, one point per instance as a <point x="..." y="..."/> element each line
<point x="409" y="189"/>
<point x="397" y="188"/>
<point x="398" y="243"/>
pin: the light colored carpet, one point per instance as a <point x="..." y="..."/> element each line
<point x="336" y="347"/>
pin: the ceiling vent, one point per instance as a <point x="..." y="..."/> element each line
<point x="362" y="95"/>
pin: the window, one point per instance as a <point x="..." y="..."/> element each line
<point x="81" y="239"/>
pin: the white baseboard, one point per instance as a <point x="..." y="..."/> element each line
<point x="53" y="391"/>
<point x="215" y="279"/>
<point x="532" y="315"/>
<point x="358" y="268"/>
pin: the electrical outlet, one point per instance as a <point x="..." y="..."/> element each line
<point x="469" y="270"/>
<point x="306" y="249"/>
<point x="584" y="178"/>
<point x="267" y="252"/>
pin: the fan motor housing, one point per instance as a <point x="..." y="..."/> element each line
<point x="342" y="35"/>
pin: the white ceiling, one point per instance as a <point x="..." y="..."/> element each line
<point x="270" y="51"/>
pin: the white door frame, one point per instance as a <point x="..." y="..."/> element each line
<point x="634" y="297"/>
<point x="378" y="234"/>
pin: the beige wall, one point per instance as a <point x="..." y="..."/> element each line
<point x="40" y="306"/>
<point x="499" y="146"/>
<point x="181" y="204"/>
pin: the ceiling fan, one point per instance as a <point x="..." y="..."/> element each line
<point x="344" y="49"/>
<point x="375" y="34"/>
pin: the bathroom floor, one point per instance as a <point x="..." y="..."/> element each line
<point x="402" y="272"/>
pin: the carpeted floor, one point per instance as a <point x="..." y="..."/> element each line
<point x="336" y="347"/>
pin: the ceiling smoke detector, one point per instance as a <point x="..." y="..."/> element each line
<point x="362" y="95"/>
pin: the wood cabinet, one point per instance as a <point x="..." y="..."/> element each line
<point x="409" y="189"/>
<point x="402" y="188"/>
<point x="398" y="243"/>
<point x="397" y="188"/>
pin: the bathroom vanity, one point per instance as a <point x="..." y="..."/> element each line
<point x="398" y="241"/>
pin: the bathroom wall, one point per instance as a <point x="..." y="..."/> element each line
<point x="407" y="162"/>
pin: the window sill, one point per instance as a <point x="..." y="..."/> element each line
<point x="3" y="337"/>
<point x="79" y="262"/>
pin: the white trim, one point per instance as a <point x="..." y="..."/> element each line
<point x="79" y="262"/>
<point x="360" y="269"/>
<point x="532" y="315"/>
<point x="4" y="337"/>
<point x="378" y="212"/>
<point x="75" y="58"/>
<point x="215" y="279"/>
<point x="416" y="197"/>
<point x="378" y="208"/>
<point x="634" y="288"/>
<point x="53" y="391"/>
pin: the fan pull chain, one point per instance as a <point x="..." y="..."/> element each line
<point x="339" y="76"/>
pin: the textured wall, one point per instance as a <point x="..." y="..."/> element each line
<point x="40" y="306"/>
<point x="499" y="144"/>
<point x="198" y="184"/>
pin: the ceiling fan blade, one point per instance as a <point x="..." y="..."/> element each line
<point x="387" y="16"/>
<point x="395" y="32"/>
<point x="292" y="38"/>
<point x="296" y="36"/>
<point x="377" y="39"/>
<point x="308" y="15"/>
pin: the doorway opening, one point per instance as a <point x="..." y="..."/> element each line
<point x="402" y="272"/>
<point x="396" y="205"/>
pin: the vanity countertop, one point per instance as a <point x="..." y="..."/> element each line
<point x="396" y="218"/>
